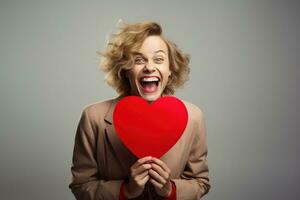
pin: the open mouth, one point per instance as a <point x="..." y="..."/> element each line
<point x="149" y="84"/>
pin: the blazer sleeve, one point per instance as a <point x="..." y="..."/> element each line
<point x="85" y="184"/>
<point x="194" y="181"/>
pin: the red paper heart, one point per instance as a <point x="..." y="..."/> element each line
<point x="150" y="129"/>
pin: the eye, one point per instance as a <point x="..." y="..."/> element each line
<point x="159" y="60"/>
<point x="139" y="61"/>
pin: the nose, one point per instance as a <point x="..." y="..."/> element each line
<point x="149" y="68"/>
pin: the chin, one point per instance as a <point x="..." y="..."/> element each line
<point x="150" y="98"/>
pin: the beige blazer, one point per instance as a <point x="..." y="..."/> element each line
<point x="101" y="162"/>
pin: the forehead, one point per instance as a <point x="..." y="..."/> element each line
<point x="152" y="44"/>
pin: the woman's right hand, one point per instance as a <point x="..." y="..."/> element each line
<point x="138" y="178"/>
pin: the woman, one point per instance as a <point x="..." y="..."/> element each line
<point x="139" y="61"/>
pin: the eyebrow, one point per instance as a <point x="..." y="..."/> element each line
<point x="138" y="53"/>
<point x="159" y="51"/>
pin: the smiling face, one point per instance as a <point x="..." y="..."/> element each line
<point x="150" y="72"/>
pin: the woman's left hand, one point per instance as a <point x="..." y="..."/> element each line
<point x="160" y="177"/>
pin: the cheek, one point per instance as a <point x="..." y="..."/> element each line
<point x="131" y="75"/>
<point x="166" y="71"/>
<point x="135" y="70"/>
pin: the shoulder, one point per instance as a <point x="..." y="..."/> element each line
<point x="196" y="118"/>
<point x="195" y="112"/>
<point x="97" y="110"/>
<point x="98" y="105"/>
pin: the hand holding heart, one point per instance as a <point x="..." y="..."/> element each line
<point x="152" y="169"/>
<point x="149" y="130"/>
<point x="139" y="176"/>
<point x="160" y="177"/>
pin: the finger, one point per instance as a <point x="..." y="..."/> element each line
<point x="155" y="183"/>
<point x="144" y="180"/>
<point x="141" y="169"/>
<point x="161" y="163"/>
<point x="141" y="161"/>
<point x="142" y="175"/>
<point x="160" y="171"/>
<point x="157" y="177"/>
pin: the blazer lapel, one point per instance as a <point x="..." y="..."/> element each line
<point x="122" y="152"/>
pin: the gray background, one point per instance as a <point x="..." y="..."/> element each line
<point x="244" y="76"/>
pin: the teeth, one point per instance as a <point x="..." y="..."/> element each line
<point x="149" y="79"/>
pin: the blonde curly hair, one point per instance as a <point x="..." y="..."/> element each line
<point x="118" y="56"/>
